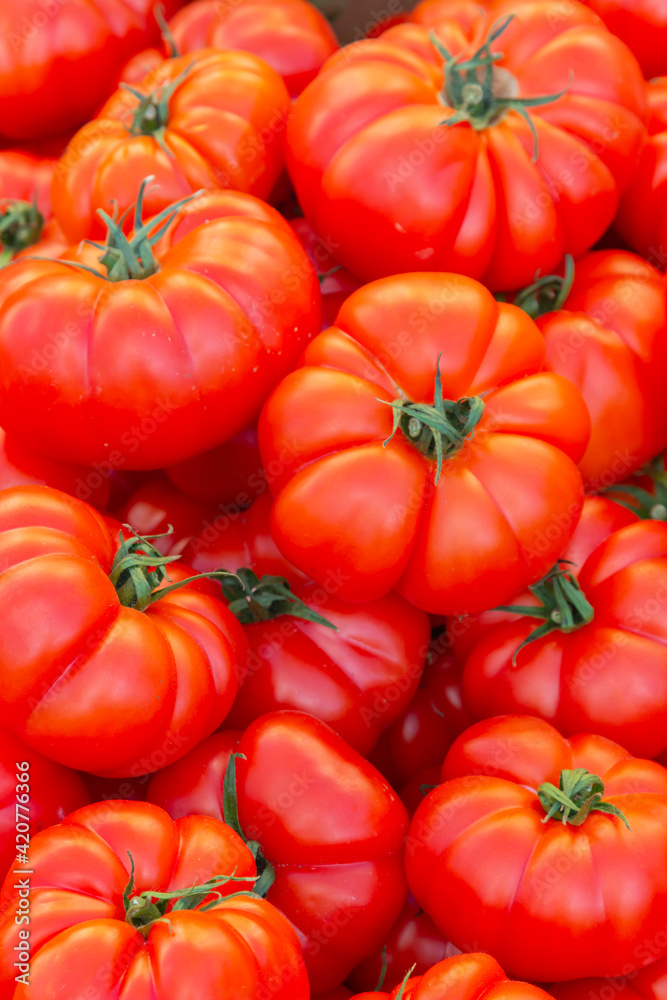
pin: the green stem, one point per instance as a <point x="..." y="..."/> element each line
<point x="254" y="600"/>
<point x="167" y="37"/>
<point x="647" y="504"/>
<point x="265" y="870"/>
<point x="437" y="431"/>
<point x="399" y="995"/>
<point x="151" y="116"/>
<point x="546" y="294"/>
<point x="579" y="793"/>
<point x="21" y="225"/>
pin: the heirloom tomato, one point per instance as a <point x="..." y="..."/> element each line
<point x="157" y="507"/>
<point x="586" y="648"/>
<point x="328" y="826"/>
<point x="549" y="854"/>
<point x="126" y="902"/>
<point x="24" y="177"/>
<point x="336" y="283"/>
<point x="208" y="120"/>
<point x="487" y="150"/>
<point x="229" y="475"/>
<point x="21" y="466"/>
<point x="642" y="24"/>
<point x="104" y="669"/>
<point x="164" y="355"/>
<point x="635" y="983"/>
<point x="428" y="450"/>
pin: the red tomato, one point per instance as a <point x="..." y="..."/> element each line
<point x="461" y="977"/>
<point x="364" y="495"/>
<point x="60" y="59"/>
<point x="636" y="983"/>
<point x="157" y="505"/>
<point x="232" y="473"/>
<point x="358" y="679"/>
<point x="404" y="174"/>
<point x="551" y="899"/>
<point x="645" y="493"/>
<point x="606" y="670"/>
<point x="642" y="25"/>
<point x="326" y="821"/>
<point x="221" y="119"/>
<point x="336" y="283"/>
<point x="25" y="177"/>
<point x="40" y="794"/>
<point x="414" y="942"/>
<point x="642" y="212"/>
<point x="606" y="331"/>
<point x="340" y="993"/>
<point x="292" y="36"/>
<point x="139" y="372"/>
<point x="20" y="466"/>
<point x="423" y="733"/>
<point x="98" y="928"/>
<point x="173" y="660"/>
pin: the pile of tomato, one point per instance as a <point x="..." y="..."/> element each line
<point x="333" y="500"/>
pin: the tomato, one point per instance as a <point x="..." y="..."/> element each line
<point x="404" y="174"/>
<point x="291" y="35"/>
<point x="220" y="122"/>
<point x="461" y="977"/>
<point x="340" y="993"/>
<point x="551" y="899"/>
<point x="606" y="331"/>
<point x="423" y="733"/>
<point x="97" y="925"/>
<point x="636" y="983"/>
<point x="157" y="505"/>
<point x="24" y="177"/>
<point x="643" y="27"/>
<point x="642" y="212"/>
<point x="413" y="942"/>
<point x="173" y="660"/>
<point x="38" y="795"/>
<point x="235" y="538"/>
<point x="60" y="59"/>
<point x="605" y="671"/>
<point x="365" y="496"/>
<point x="336" y="283"/>
<point x="92" y="367"/>
<point x="357" y="677"/>
<point x="645" y="493"/>
<point x="232" y="473"/>
<point x="326" y="821"/>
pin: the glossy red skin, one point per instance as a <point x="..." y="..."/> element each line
<point x="643" y="27"/>
<point x="326" y="820"/>
<point x="335" y="287"/>
<point x="635" y="983"/>
<point x="80" y="942"/>
<point x="292" y="36"/>
<point x="158" y="504"/>
<point x="20" y="466"/>
<point x="610" y="339"/>
<point x="412" y="794"/>
<point x="549" y="901"/>
<point x="53" y="790"/>
<point x="423" y="733"/>
<point x="358" y="679"/>
<point x="26" y="177"/>
<point x="461" y="977"/>
<point x="235" y="538"/>
<point x="225" y="130"/>
<point x="48" y="50"/>
<point x="232" y="473"/>
<point x="609" y="676"/>
<point x="642" y="212"/>
<point x="79" y="377"/>
<point x="370" y="511"/>
<point x="413" y="940"/>
<point x="378" y="173"/>
<point x="174" y="666"/>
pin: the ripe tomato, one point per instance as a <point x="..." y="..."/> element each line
<point x="232" y="473"/>
<point x="606" y="331"/>
<point x="151" y="674"/>
<point x="336" y="283"/>
<point x="573" y="895"/>
<point x="158" y="505"/>
<point x="97" y="924"/>
<point x="24" y="177"/>
<point x="208" y="120"/>
<point x="404" y="174"/>
<point x="365" y="495"/>
<point x="460" y="977"/>
<point x="326" y="821"/>
<point x="163" y="357"/>
<point x="642" y="212"/>
<point x="635" y="983"/>
<point x="645" y="493"/>
<point x="605" y="671"/>
<point x="642" y="25"/>
<point x="40" y="794"/>
<point x="20" y="466"/>
<point x="358" y="677"/>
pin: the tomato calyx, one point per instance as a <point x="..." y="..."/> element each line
<point x="148" y="908"/>
<point x="151" y="115"/>
<point x="21" y="225"/>
<point x="546" y="294"/>
<point x="649" y="506"/>
<point x="253" y="600"/>
<point x="579" y="793"/>
<point x="482" y="93"/>
<point x="266" y="873"/>
<point x="165" y="31"/>
<point x="563" y="606"/>
<point x="439" y="431"/>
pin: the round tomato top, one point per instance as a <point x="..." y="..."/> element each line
<point x="643" y="27"/>
<point x="550" y="854"/>
<point x="104" y="669"/>
<point x="407" y="164"/>
<point x="428" y="451"/>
